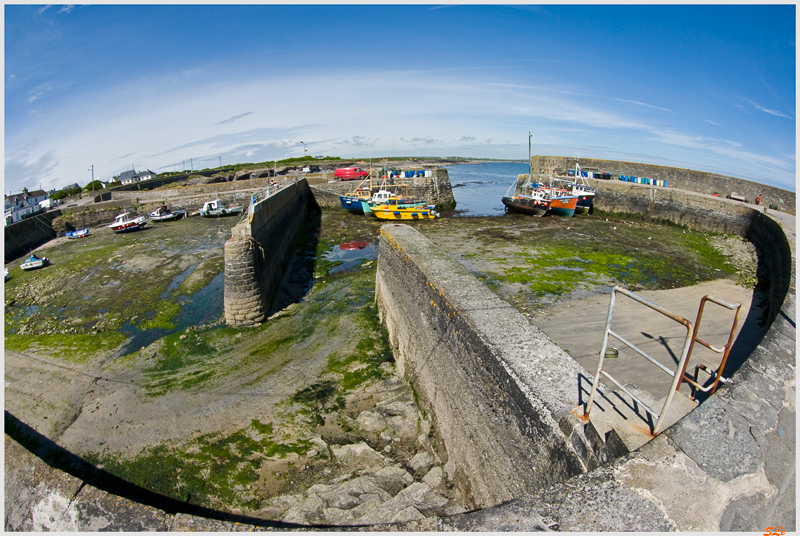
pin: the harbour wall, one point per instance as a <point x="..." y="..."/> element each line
<point x="495" y="386"/>
<point x="435" y="190"/>
<point x="684" y="179"/>
<point x="28" y="234"/>
<point x="258" y="252"/>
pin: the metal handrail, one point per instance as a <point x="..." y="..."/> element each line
<point x="725" y="350"/>
<point x="681" y="363"/>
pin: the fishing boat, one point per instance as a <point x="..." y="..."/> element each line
<point x="78" y="233"/>
<point x="216" y="208"/>
<point x="352" y="246"/>
<point x="33" y="262"/>
<point x="580" y="187"/>
<point x="384" y="197"/>
<point x="527" y="198"/>
<point x="392" y="211"/>
<point x="124" y="223"/>
<point x="353" y="201"/>
<point x="163" y="213"/>
<point x="562" y="202"/>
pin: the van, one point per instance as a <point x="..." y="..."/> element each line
<point x="349" y="174"/>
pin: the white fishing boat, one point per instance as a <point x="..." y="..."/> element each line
<point x="125" y="222"/>
<point x="163" y="213"/>
<point x="218" y="208"/>
<point x="33" y="262"/>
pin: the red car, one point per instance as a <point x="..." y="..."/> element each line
<point x="349" y="174"/>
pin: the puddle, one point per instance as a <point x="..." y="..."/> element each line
<point x="204" y="306"/>
<point x="177" y="281"/>
<point x="351" y="254"/>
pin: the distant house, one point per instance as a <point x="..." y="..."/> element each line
<point x="72" y="186"/>
<point x="17" y="206"/>
<point x="131" y="176"/>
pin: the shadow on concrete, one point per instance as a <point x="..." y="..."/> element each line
<point x="59" y="458"/>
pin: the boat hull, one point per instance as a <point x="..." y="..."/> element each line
<point x="584" y="205"/>
<point x="563" y="206"/>
<point x="525" y="205"/>
<point x="170" y="216"/>
<point x="351" y="204"/>
<point x="223" y="212"/>
<point x="128" y="227"/>
<point x="80" y="233"/>
<point x="395" y="213"/>
<point x="33" y="264"/>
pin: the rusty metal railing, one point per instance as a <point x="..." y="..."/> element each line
<point x="725" y="350"/>
<point x="676" y="377"/>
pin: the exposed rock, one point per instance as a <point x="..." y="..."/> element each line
<point x="409" y="514"/>
<point x="421" y="462"/>
<point x="393" y="479"/>
<point x="423" y="497"/>
<point x="434" y="478"/>
<point x="311" y="453"/>
<point x="358" y="454"/>
<point x="321" y="446"/>
<point x="372" y="421"/>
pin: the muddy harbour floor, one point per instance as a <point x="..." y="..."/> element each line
<point x="117" y="351"/>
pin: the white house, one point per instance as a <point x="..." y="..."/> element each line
<point x="19" y="205"/>
<point x="131" y="176"/>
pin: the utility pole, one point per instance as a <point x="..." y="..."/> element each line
<point x="220" y="161"/>
<point x="191" y="164"/>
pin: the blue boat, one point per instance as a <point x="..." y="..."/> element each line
<point x="352" y="202"/>
<point x="78" y="233"/>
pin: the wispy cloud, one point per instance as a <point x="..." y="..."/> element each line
<point x="65" y="9"/>
<point x="712" y="122"/>
<point x="234" y="118"/>
<point x="467" y="139"/>
<point x="417" y="141"/>
<point x="768" y="111"/>
<point x="45" y="8"/>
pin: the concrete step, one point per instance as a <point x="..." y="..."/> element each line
<point x="618" y="424"/>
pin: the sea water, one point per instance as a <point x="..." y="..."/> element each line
<point x="479" y="188"/>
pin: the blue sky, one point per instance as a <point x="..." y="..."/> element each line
<point x="709" y="87"/>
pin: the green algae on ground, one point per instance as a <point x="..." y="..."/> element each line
<point x="75" y="348"/>
<point x="209" y="470"/>
<point x="551" y="258"/>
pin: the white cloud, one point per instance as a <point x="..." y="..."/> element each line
<point x="182" y="118"/>
<point x="65" y="9"/>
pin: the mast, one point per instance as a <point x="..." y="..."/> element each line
<point x="529" y="157"/>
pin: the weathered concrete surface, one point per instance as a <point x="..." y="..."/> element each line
<point x="495" y="385"/>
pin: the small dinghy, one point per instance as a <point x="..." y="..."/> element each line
<point x="33" y="262"/>
<point x="78" y="233"/>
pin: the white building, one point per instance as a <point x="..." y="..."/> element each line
<point x="20" y="205"/>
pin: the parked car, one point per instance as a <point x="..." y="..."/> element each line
<point x="349" y="174"/>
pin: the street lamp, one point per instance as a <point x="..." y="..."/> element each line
<point x="305" y="151"/>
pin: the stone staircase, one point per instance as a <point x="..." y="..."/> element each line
<point x="618" y="424"/>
